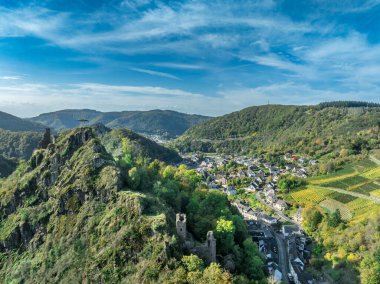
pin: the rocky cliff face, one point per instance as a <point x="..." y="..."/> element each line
<point x="66" y="218"/>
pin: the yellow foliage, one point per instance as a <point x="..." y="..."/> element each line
<point x="353" y="258"/>
<point x="372" y="174"/>
<point x="328" y="256"/>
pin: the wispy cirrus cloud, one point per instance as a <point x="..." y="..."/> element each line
<point x="155" y="73"/>
<point x="10" y="78"/>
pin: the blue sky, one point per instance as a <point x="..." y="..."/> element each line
<point x="206" y="57"/>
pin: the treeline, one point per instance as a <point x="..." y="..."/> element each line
<point x="348" y="104"/>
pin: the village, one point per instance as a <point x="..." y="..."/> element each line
<point x="282" y="243"/>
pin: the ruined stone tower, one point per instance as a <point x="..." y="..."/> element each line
<point x="181" y="226"/>
<point x="211" y="244"/>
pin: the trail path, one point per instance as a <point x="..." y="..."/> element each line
<point x="375" y="160"/>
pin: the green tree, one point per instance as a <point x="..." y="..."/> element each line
<point x="225" y="231"/>
<point x="334" y="219"/>
<point x="370" y="269"/>
<point x="312" y="217"/>
<point x="288" y="182"/>
<point x="214" y="274"/>
<point x="252" y="264"/>
<point x="192" y="263"/>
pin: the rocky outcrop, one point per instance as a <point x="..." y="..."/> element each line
<point x="75" y="169"/>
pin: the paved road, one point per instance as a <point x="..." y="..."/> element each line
<point x="355" y="194"/>
<point x="281" y="244"/>
<point x="204" y="140"/>
<point x="283" y="257"/>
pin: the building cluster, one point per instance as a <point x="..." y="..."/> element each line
<point x="254" y="214"/>
<point x="259" y="176"/>
<point x="258" y="173"/>
<point x="299" y="253"/>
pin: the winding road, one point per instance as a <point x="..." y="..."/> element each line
<point x="282" y="249"/>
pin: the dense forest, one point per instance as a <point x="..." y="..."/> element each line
<point x="309" y="130"/>
<point x="75" y="212"/>
<point x="348" y="104"/>
<point x="18" y="145"/>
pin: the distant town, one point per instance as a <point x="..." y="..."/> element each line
<point x="283" y="244"/>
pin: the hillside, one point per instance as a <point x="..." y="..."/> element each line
<point x="118" y="139"/>
<point x="311" y="130"/>
<point x="339" y="211"/>
<point x="18" y="145"/>
<point x="13" y="123"/>
<point x="72" y="222"/>
<point x="7" y="166"/>
<point x="154" y="122"/>
<point x="79" y="213"/>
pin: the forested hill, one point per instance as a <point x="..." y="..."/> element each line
<point x="307" y="129"/>
<point x="95" y="207"/>
<point x="154" y="122"/>
<point x="13" y="123"/>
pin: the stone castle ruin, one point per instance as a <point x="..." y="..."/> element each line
<point x="206" y="250"/>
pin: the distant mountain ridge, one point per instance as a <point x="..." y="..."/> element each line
<point x="155" y="122"/>
<point x="16" y="124"/>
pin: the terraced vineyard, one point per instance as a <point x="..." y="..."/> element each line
<point x="359" y="204"/>
<point x="372" y="174"/>
<point x="375" y="193"/>
<point x="361" y="181"/>
<point x="310" y="195"/>
<point x="333" y="177"/>
<point x="341" y="197"/>
<point x="331" y="205"/>
<point x="367" y="188"/>
<point x="346" y="183"/>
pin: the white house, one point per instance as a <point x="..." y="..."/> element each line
<point x="280" y="205"/>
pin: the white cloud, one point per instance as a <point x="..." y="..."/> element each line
<point x="185" y="66"/>
<point x="155" y="73"/>
<point x="10" y="77"/>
